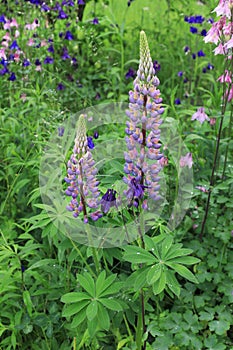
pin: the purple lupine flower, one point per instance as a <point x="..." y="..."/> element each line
<point x="50" y="48"/>
<point x="145" y="108"/>
<point x="200" y="53"/>
<point x="96" y="135"/>
<point x="37" y="62"/>
<point x="26" y="62"/>
<point x="81" y="177"/>
<point x="177" y="101"/>
<point x="2" y="19"/>
<point x="180" y="74"/>
<point x="156" y="66"/>
<point x="203" y="32"/>
<point x="65" y="55"/>
<point x="81" y="2"/>
<point x="108" y="200"/>
<point x="4" y="71"/>
<point x="210" y="66"/>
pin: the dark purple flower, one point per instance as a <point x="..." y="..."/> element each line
<point x="193" y="30"/>
<point x="4" y="71"/>
<point x="61" y="130"/>
<point x="23" y="268"/>
<point x="65" y="55"/>
<point x="200" y="53"/>
<point x="45" y="7"/>
<point x="12" y="77"/>
<point x="204" y="70"/>
<point x="26" y="63"/>
<point x="37" y="62"/>
<point x="97" y="96"/>
<point x="90" y="142"/>
<point x="68" y="35"/>
<point x="61" y="34"/>
<point x="108" y="200"/>
<point x="156" y="66"/>
<point x="62" y="15"/>
<point x="74" y="61"/>
<point x="60" y="87"/>
<point x="177" y="101"/>
<point x="14" y="46"/>
<point x="135" y="192"/>
<point x="95" y="21"/>
<point x="2" y="19"/>
<point x="210" y="66"/>
<point x="210" y="20"/>
<point x="5" y="62"/>
<point x="203" y="32"/>
<point x="96" y="135"/>
<point x="199" y="19"/>
<point x="81" y="2"/>
<point x="51" y="48"/>
<point x="185" y="80"/>
<point x="130" y="74"/>
<point x="48" y="60"/>
<point x="186" y="49"/>
<point x="180" y="74"/>
<point x="193" y="56"/>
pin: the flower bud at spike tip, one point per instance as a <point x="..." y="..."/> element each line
<point x="146" y="69"/>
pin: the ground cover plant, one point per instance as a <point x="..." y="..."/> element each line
<point x="116" y="175"/>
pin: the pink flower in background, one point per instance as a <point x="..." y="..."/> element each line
<point x="23" y="97"/>
<point x="202" y="189"/>
<point x="220" y="49"/>
<point x="7" y="36"/>
<point x="229" y="43"/>
<point x="223" y="8"/>
<point x="212" y="121"/>
<point x="225" y="78"/>
<point x="187" y="160"/>
<point x="230" y="94"/>
<point x="43" y="43"/>
<point x="163" y="161"/>
<point x="200" y="115"/>
<point x="17" y="57"/>
<point x="13" y="23"/>
<point x="17" y="34"/>
<point x="30" y="42"/>
<point x="2" y="53"/>
<point x="32" y="26"/>
<point x="213" y="34"/>
<point x="7" y="25"/>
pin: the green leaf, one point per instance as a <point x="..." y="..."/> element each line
<point x="103" y="317"/>
<point x="138" y="255"/>
<point x="177" y="251"/>
<point x="91" y="310"/>
<point x="188" y="260"/>
<point x="73" y="297"/>
<point x="159" y="285"/>
<point x="108" y="283"/>
<point x="219" y="326"/>
<point x="183" y="271"/>
<point x="111" y="304"/>
<point x="79" y="318"/>
<point x="100" y="285"/>
<point x="70" y="310"/>
<point x="172" y="283"/>
<point x="140" y="280"/>
<point x="166" y="245"/>
<point x="40" y="263"/>
<point x="154" y="273"/>
<point x="28" y="302"/>
<point x="87" y="282"/>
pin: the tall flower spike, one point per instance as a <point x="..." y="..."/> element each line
<point x="81" y="172"/>
<point x="141" y="160"/>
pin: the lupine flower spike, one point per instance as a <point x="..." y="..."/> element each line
<point x="81" y="177"/>
<point x="142" y="166"/>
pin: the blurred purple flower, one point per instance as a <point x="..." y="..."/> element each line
<point x="203" y="32"/>
<point x="90" y="142"/>
<point x="62" y="15"/>
<point x="48" y="60"/>
<point x="61" y="130"/>
<point x="95" y="21"/>
<point x="12" y="77"/>
<point x="60" y="87"/>
<point x="96" y="135"/>
<point x="177" y="101"/>
<point x="180" y="74"/>
<point x="156" y="66"/>
<point x="51" y="48"/>
<point x="200" y="53"/>
<point x="97" y="96"/>
<point x="193" y="30"/>
<point x="193" y="56"/>
<point x="4" y="71"/>
<point x="2" y="19"/>
<point x="14" y="46"/>
<point x="81" y="2"/>
<point x="68" y="35"/>
<point x="186" y="49"/>
<point x="130" y="74"/>
<point x="65" y="55"/>
<point x="210" y="66"/>
<point x="26" y="62"/>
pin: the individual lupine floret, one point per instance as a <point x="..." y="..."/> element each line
<point x="81" y="176"/>
<point x="143" y="140"/>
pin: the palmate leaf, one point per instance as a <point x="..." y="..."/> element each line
<point x="166" y="245"/>
<point x="111" y="304"/>
<point x="74" y="297"/>
<point x="187" y="260"/>
<point x="106" y="286"/>
<point x="91" y="310"/>
<point x="103" y="317"/>
<point x="172" y="283"/>
<point x="79" y="318"/>
<point x="154" y="273"/>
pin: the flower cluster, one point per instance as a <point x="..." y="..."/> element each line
<point x="197" y="20"/>
<point x="145" y="108"/>
<point x="81" y="178"/>
<point x="221" y="34"/>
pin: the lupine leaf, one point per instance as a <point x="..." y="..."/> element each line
<point x="74" y="297"/>
<point x="138" y="255"/>
<point x="73" y="309"/>
<point x="79" y="318"/>
<point x="183" y="271"/>
<point x="91" y="310"/>
<point x="103" y="317"/>
<point x="172" y="283"/>
<point x="154" y="273"/>
<point x="87" y="283"/>
<point x="111" y="304"/>
<point x="160" y="284"/>
<point x="188" y="260"/>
